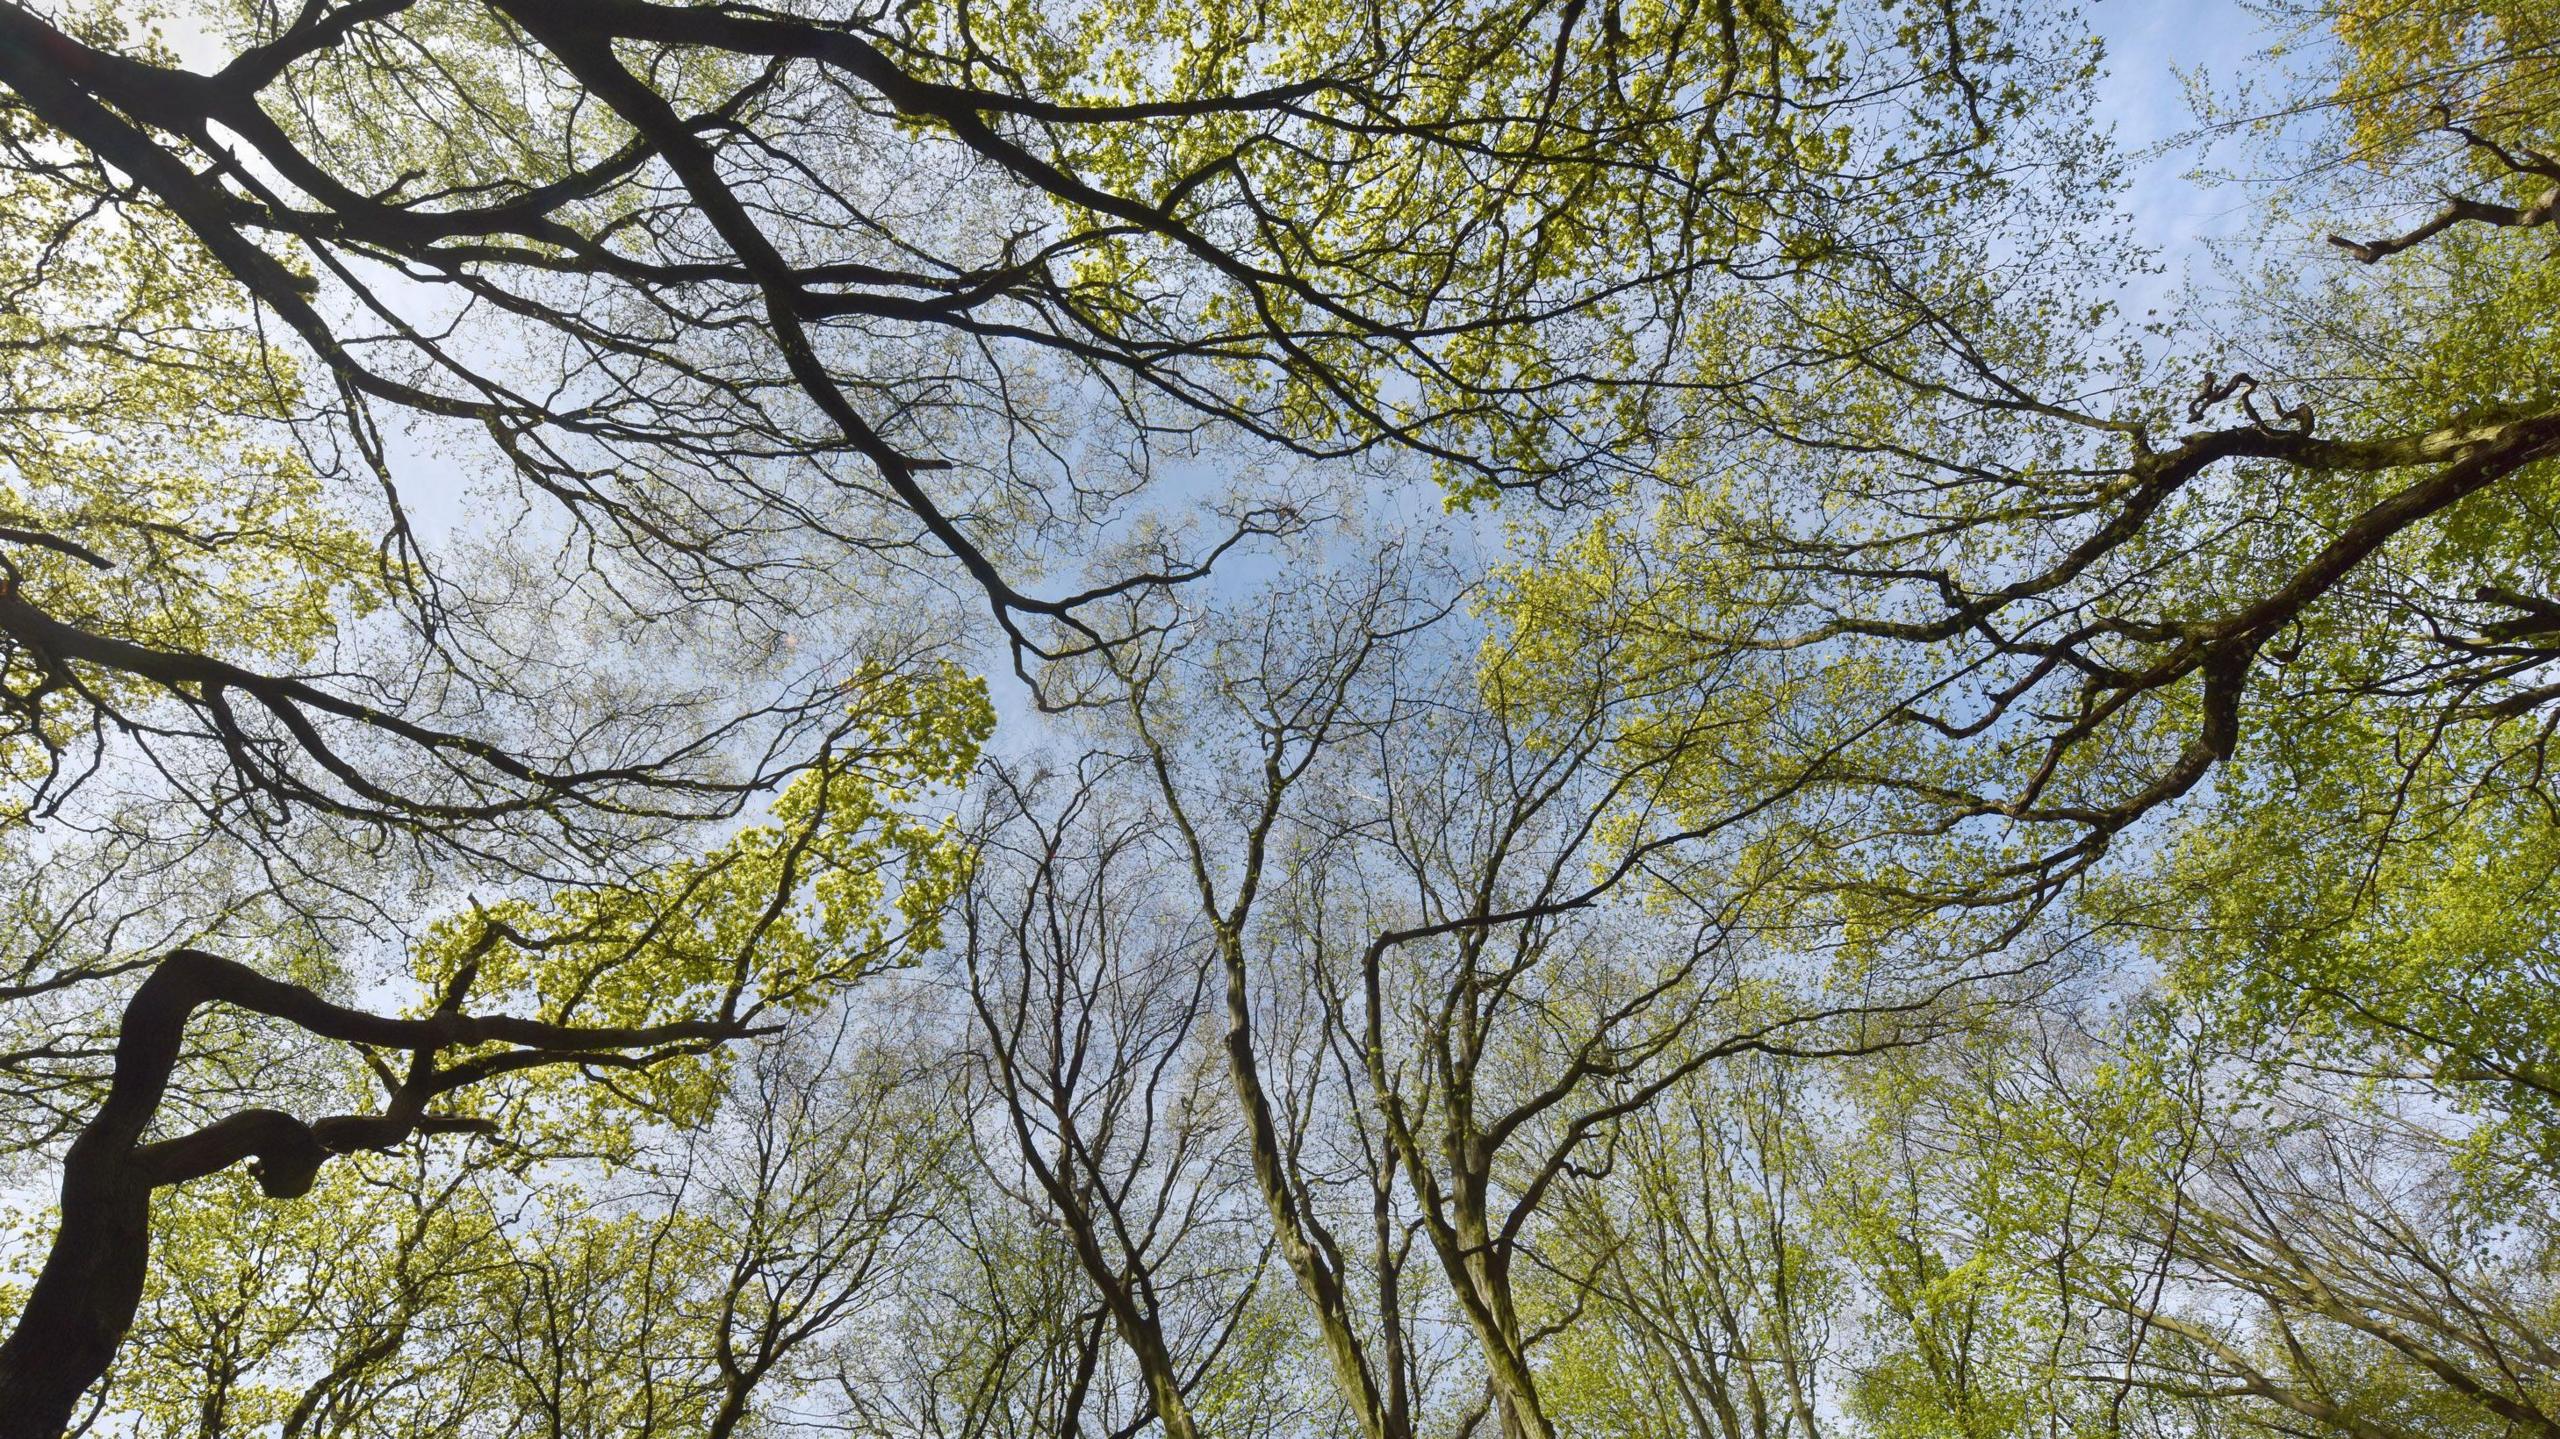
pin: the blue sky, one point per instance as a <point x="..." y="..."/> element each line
<point x="2150" y="45"/>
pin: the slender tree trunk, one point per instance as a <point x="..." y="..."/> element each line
<point x="1476" y="1264"/>
<point x="1316" y="1278"/>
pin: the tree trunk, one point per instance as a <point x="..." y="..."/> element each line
<point x="85" y="1297"/>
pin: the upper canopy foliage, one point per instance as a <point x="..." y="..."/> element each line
<point x="1969" y="865"/>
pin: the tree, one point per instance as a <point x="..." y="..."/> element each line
<point x="1691" y="1286"/>
<point x="1987" y="606"/>
<point x="1150" y="214"/>
<point x="2238" y="658"/>
<point x="1460" y="958"/>
<point x="649" y="978"/>
<point x="1952" y="862"/>
<point x="721" y="1274"/>
<point x="1091" y="1003"/>
<point x="2230" y="1241"/>
<point x="627" y="251"/>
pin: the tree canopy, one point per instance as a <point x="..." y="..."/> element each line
<point x="1085" y="717"/>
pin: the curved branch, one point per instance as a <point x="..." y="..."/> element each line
<point x="91" y="1283"/>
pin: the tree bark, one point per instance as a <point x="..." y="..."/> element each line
<point x="86" y="1294"/>
<point x="84" y="1299"/>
